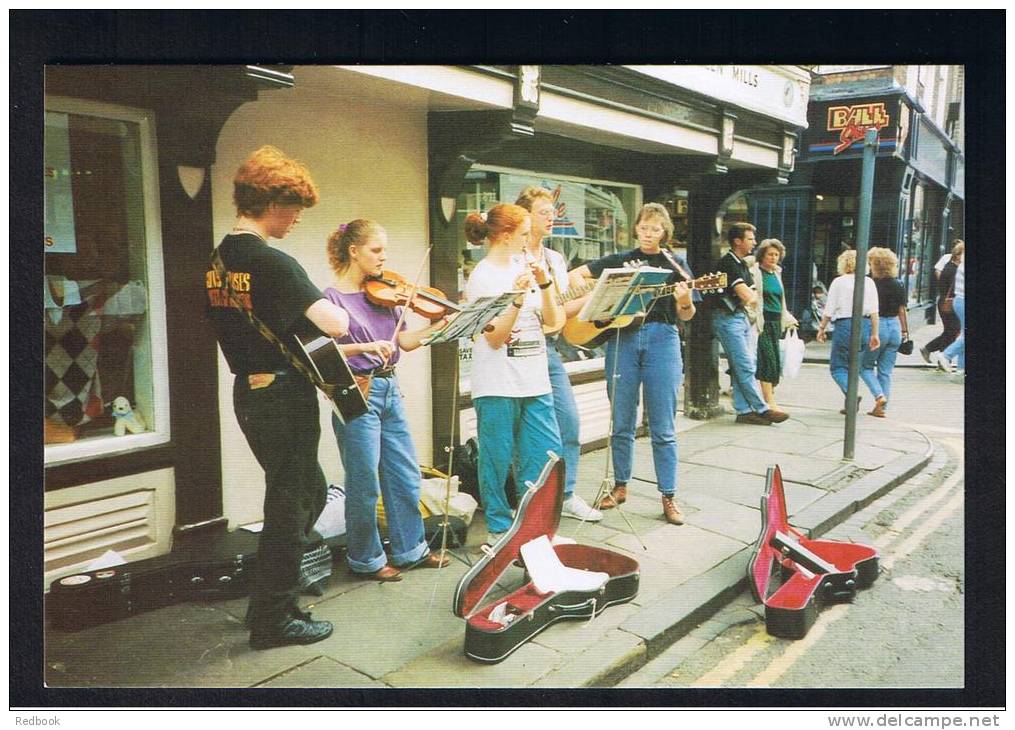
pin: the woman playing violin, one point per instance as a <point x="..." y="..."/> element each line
<point x="377" y="450"/>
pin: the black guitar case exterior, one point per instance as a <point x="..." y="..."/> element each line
<point x="495" y="627"/>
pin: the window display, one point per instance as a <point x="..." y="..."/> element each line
<point x="101" y="355"/>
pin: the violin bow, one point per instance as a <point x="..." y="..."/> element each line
<point x="412" y="295"/>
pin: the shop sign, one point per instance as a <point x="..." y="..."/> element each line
<point x="837" y="128"/>
<point x="852" y="122"/>
<point x="780" y="92"/>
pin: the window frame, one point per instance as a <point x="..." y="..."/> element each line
<point x="105" y="446"/>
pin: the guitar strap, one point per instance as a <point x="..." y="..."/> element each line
<point x="265" y="330"/>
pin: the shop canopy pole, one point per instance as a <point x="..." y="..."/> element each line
<point x="870" y="147"/>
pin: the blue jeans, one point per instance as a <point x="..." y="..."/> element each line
<point x="883" y="359"/>
<point x="733" y="331"/>
<point x="838" y="359"/>
<point x="380" y="461"/>
<point x="646" y="358"/>
<point x="510" y="427"/>
<point x="567" y="416"/>
<point x="958" y="348"/>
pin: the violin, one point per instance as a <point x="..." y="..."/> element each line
<point x="391" y="289"/>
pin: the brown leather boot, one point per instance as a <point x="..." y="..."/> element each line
<point x="616" y="497"/>
<point x="671" y="511"/>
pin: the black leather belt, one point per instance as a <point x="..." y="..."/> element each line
<point x="378" y="373"/>
<point x="866" y="316"/>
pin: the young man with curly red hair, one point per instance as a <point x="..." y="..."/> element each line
<point x="276" y="406"/>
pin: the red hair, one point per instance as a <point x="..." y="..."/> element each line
<point x="501" y="220"/>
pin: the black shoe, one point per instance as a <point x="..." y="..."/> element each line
<point x="294" y="630"/>
<point x="754" y="419"/>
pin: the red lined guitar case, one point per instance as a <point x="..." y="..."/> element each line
<point x="495" y="627"/>
<point x="794" y="576"/>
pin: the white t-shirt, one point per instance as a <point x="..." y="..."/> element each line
<point x="518" y="368"/>
<point x="840" y="297"/>
<point x="960" y="279"/>
<point x="942" y="262"/>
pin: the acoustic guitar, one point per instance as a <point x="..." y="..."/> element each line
<point x="334" y="377"/>
<point x="592" y="334"/>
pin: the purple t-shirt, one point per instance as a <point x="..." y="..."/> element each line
<point x="367" y="323"/>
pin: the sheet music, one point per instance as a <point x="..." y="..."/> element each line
<point x="473" y="319"/>
<point x="619" y="292"/>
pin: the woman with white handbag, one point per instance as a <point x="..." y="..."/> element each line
<point x="772" y="318"/>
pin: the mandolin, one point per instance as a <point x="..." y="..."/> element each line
<point x="594" y="333"/>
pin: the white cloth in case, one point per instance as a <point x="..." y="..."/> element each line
<point x="549" y="575"/>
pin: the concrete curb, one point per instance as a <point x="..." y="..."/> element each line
<point x="675" y="613"/>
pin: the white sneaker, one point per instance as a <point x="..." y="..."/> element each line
<point x="942" y="362"/>
<point x="576" y="507"/>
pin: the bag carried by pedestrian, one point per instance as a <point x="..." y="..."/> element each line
<point x="906" y="348"/>
<point x="792" y="351"/>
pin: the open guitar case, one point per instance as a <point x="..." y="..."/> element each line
<point x="793" y="575"/>
<point x="562" y="580"/>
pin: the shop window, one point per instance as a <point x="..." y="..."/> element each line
<point x="104" y="323"/>
<point x="594" y="218"/>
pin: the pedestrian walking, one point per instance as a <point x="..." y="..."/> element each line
<point x="769" y="314"/>
<point x="839" y="309"/>
<point x="893" y="326"/>
<point x="732" y="328"/>
<point x="944" y="272"/>
<point x="957" y="350"/>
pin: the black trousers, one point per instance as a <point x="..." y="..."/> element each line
<point x="282" y="426"/>
<point x="950" y="322"/>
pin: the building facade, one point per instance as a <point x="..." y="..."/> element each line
<point x="139" y="164"/>
<point x="919" y="186"/>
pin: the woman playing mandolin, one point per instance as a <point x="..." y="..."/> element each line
<point x="377" y="450"/>
<point x="647" y="358"/>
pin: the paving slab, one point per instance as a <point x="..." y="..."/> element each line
<point x="322" y="671"/>
<point x="380" y="626"/>
<point x="730" y="486"/>
<point x="865" y="456"/>
<point x="798" y="443"/>
<point x="615" y="652"/>
<point x="728" y="519"/>
<point x="447" y="666"/>
<point x="689" y="549"/>
<point x="677" y="610"/>
<point x="185" y="645"/>
<point x="756" y="461"/>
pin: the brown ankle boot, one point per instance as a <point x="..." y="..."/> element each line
<point x="671" y="511"/>
<point x="615" y="498"/>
